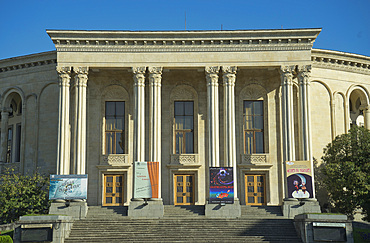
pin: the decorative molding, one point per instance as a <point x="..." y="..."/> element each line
<point x="155" y="76"/>
<point x="184" y="159"/>
<point x="64" y="75"/>
<point x="212" y="75"/>
<point x="114" y="159"/>
<point x="81" y="75"/>
<point x="253" y="92"/>
<point x="286" y="73"/>
<point x="27" y="65"/>
<point x="182" y="93"/>
<point x="304" y="72"/>
<point x="255" y="159"/>
<point x="340" y="61"/>
<point x="139" y="76"/>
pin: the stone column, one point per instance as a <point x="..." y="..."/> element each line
<point x="4" y="132"/>
<point x="63" y="153"/>
<point x="213" y="116"/>
<point x="139" y="114"/>
<point x="367" y="117"/>
<point x="155" y="76"/>
<point x="305" y="126"/>
<point x="286" y="73"/>
<point x="79" y="163"/>
<point x="229" y="76"/>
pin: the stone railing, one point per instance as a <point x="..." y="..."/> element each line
<point x="114" y="159"/>
<point x="255" y="159"/>
<point x="184" y="159"/>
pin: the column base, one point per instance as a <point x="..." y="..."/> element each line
<point x="223" y="210"/>
<point x="152" y="208"/>
<point x="292" y="207"/>
<point x="78" y="210"/>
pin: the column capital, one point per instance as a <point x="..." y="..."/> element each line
<point x="155" y="76"/>
<point x="81" y="75"/>
<point x="139" y="76"/>
<point x="155" y="70"/>
<point x="212" y="75"/>
<point x="6" y="111"/>
<point x="286" y="73"/>
<point x="64" y="75"/>
<point x="229" y="75"/>
<point x="304" y="72"/>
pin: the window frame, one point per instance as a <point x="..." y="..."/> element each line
<point x="253" y="130"/>
<point x="114" y="131"/>
<point x="183" y="131"/>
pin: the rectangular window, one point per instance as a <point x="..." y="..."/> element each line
<point x="184" y="127"/>
<point x="18" y="144"/>
<point x="9" y="145"/>
<point x="253" y="127"/>
<point x="114" y="127"/>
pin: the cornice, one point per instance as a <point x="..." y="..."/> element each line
<point x="183" y="41"/>
<point x="28" y="61"/>
<point x="340" y="61"/>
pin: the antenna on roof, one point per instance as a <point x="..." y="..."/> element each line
<point x="185" y="20"/>
<point x="221" y="26"/>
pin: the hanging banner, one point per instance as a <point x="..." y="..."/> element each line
<point x="299" y="179"/>
<point x="221" y="189"/>
<point x="68" y="187"/>
<point x="146" y="179"/>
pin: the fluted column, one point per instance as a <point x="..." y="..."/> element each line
<point x="79" y="163"/>
<point x="63" y="153"/>
<point x="213" y="116"/>
<point x="155" y="78"/>
<point x="305" y="120"/>
<point x="229" y="77"/>
<point x="139" y="115"/>
<point x="4" y="132"/>
<point x="286" y="73"/>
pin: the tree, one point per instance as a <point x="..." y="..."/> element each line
<point x="347" y="171"/>
<point x="22" y="194"/>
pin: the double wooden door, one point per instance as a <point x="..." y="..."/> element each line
<point x="184" y="189"/>
<point x="255" y="192"/>
<point x="113" y="190"/>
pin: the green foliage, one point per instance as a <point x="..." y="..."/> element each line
<point x="7" y="232"/>
<point x="5" y="239"/>
<point x="22" y="194"/>
<point x="346" y="171"/>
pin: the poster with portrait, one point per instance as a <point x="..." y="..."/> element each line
<point x="299" y="179"/>
<point x="146" y="179"/>
<point x="221" y="187"/>
<point x="68" y="187"/>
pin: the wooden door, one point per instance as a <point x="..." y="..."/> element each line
<point x="184" y="189"/>
<point x="255" y="189"/>
<point x="113" y="190"/>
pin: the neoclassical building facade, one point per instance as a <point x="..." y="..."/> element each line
<point x="248" y="99"/>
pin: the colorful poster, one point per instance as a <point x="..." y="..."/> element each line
<point x="68" y="187"/>
<point x="146" y="179"/>
<point x="221" y="189"/>
<point x="299" y="179"/>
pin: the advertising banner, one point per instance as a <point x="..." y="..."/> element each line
<point x="68" y="187"/>
<point x="221" y="189"/>
<point x="146" y="179"/>
<point x="299" y="179"/>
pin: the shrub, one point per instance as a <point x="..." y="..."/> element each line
<point x="22" y="194"/>
<point x="5" y="239"/>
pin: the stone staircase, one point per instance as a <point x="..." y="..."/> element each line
<point x="183" y="224"/>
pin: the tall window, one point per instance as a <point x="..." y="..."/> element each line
<point x="253" y="127"/>
<point x="184" y="127"/>
<point x="9" y="145"/>
<point x="114" y="127"/>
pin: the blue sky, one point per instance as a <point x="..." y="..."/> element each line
<point x="345" y="23"/>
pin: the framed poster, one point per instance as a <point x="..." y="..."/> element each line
<point x="68" y="187"/>
<point x="146" y="179"/>
<point x="299" y="179"/>
<point x="221" y="188"/>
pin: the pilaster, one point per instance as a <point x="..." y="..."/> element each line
<point x="79" y="163"/>
<point x="139" y="113"/>
<point x="63" y="153"/>
<point x="155" y="78"/>
<point x="213" y="115"/>
<point x="4" y="132"/>
<point x="367" y="117"/>
<point x="229" y="77"/>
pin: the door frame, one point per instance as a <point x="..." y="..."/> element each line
<point x="122" y="186"/>
<point x="172" y="174"/>
<point x="175" y="187"/>
<point x="267" y="181"/>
